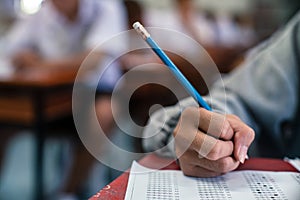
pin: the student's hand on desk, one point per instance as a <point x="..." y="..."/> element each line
<point x="209" y="144"/>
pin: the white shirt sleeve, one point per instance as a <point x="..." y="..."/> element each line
<point x="21" y="36"/>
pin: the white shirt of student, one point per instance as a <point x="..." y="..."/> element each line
<point x="54" y="37"/>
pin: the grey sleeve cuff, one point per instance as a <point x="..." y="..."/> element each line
<point x="157" y="135"/>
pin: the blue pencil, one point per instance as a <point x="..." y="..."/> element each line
<point x="167" y="61"/>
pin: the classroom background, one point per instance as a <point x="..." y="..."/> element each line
<point x="226" y="29"/>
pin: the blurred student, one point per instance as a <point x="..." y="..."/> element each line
<point x="180" y="17"/>
<point x="263" y="94"/>
<point x="213" y="29"/>
<point x="61" y="35"/>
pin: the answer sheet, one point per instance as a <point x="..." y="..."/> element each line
<point x="150" y="184"/>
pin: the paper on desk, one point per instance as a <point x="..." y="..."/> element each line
<point x="151" y="184"/>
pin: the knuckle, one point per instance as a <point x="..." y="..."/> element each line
<point x="234" y="117"/>
<point x="190" y="116"/>
<point x="189" y="111"/>
<point x="251" y="134"/>
<point x="214" y="154"/>
<point x="225" y="129"/>
<point x="178" y="152"/>
<point x="224" y="165"/>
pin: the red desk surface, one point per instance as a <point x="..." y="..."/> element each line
<point x="116" y="189"/>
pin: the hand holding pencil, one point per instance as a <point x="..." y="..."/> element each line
<point x="206" y="143"/>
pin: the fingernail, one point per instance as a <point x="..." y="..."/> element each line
<point x="243" y="154"/>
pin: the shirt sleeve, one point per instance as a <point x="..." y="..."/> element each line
<point x="20" y="36"/>
<point x="157" y="135"/>
<point x="263" y="91"/>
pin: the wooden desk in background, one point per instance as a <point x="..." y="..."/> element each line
<point x="32" y="99"/>
<point x="116" y="190"/>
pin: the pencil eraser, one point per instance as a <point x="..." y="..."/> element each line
<point x="141" y="30"/>
<point x="136" y="25"/>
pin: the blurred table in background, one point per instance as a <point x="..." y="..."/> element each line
<point x="32" y="98"/>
